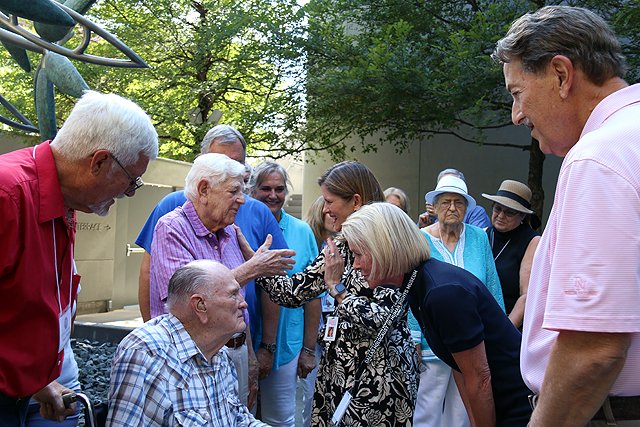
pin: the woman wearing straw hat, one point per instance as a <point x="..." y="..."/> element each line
<point x="513" y="243"/>
<point x="466" y="246"/>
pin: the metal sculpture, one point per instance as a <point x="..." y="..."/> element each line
<point x="54" y="23"/>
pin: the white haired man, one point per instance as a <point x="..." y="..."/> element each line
<point x="97" y="156"/>
<point x="202" y="228"/>
<point x="256" y="222"/>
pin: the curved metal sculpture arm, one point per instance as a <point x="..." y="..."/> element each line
<point x="17" y="35"/>
<point x="24" y="123"/>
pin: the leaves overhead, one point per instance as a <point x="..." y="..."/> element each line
<point x="231" y="56"/>
<point x="295" y="78"/>
<point x="415" y="69"/>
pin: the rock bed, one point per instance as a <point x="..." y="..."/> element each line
<point x="94" y="365"/>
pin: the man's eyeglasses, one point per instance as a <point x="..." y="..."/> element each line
<point x="509" y="213"/>
<point x="134" y="183"/>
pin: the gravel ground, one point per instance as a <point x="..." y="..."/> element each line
<point x="94" y="365"/>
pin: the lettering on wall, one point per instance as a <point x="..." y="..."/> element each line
<point x="93" y="226"/>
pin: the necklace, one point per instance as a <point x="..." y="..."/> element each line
<point x="501" y="250"/>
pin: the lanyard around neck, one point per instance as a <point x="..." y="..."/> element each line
<point x="55" y="264"/>
<point x="55" y="259"/>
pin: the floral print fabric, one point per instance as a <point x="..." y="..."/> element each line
<point x="386" y="389"/>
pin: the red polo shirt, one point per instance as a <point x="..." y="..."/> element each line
<point x="31" y="210"/>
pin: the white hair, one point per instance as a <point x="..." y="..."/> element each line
<point x="215" y="168"/>
<point x="107" y="122"/>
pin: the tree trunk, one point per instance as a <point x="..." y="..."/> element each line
<point x="536" y="163"/>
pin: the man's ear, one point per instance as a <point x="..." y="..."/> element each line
<point x="564" y="71"/>
<point x="100" y="162"/>
<point x="199" y="307"/>
<point x="203" y="188"/>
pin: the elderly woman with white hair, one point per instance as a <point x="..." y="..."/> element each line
<point x="461" y="319"/>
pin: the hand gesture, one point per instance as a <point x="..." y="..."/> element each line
<point x="333" y="264"/>
<point x="272" y="262"/>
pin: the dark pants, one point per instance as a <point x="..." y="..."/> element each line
<point x="13" y="411"/>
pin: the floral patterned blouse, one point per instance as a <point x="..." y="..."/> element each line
<point x="384" y="391"/>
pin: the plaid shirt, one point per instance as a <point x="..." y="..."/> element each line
<point x="159" y="377"/>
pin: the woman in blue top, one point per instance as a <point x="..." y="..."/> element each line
<point x="295" y="338"/>
<point x="462" y="321"/>
<point x="466" y="246"/>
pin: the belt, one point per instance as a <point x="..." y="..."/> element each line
<point x="238" y="341"/>
<point x="619" y="408"/>
<point x="613" y="408"/>
<point x="9" y="401"/>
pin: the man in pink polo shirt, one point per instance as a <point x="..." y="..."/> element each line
<point x="581" y="341"/>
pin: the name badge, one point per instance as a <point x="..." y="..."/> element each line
<point x="331" y="328"/>
<point x="65" y="328"/>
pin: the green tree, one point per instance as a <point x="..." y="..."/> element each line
<point x="208" y="58"/>
<point x="231" y="56"/>
<point x="413" y="70"/>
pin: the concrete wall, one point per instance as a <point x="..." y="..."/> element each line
<point x="415" y="169"/>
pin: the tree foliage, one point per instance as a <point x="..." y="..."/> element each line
<point x="232" y="56"/>
<point x="412" y="70"/>
<point x="208" y="58"/>
<point x="406" y="69"/>
<point x="295" y="78"/>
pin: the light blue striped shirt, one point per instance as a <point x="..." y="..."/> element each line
<point x="159" y="377"/>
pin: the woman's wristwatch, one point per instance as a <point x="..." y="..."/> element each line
<point x="338" y="289"/>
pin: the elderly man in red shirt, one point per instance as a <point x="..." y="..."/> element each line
<point x="97" y="156"/>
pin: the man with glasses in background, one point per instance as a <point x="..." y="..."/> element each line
<point x="41" y="187"/>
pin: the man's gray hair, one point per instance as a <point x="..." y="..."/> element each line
<point x="107" y="122"/>
<point x="577" y="33"/>
<point x="188" y="280"/>
<point x="262" y="171"/>
<point x="215" y="168"/>
<point x="222" y="134"/>
<point x="450" y="171"/>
